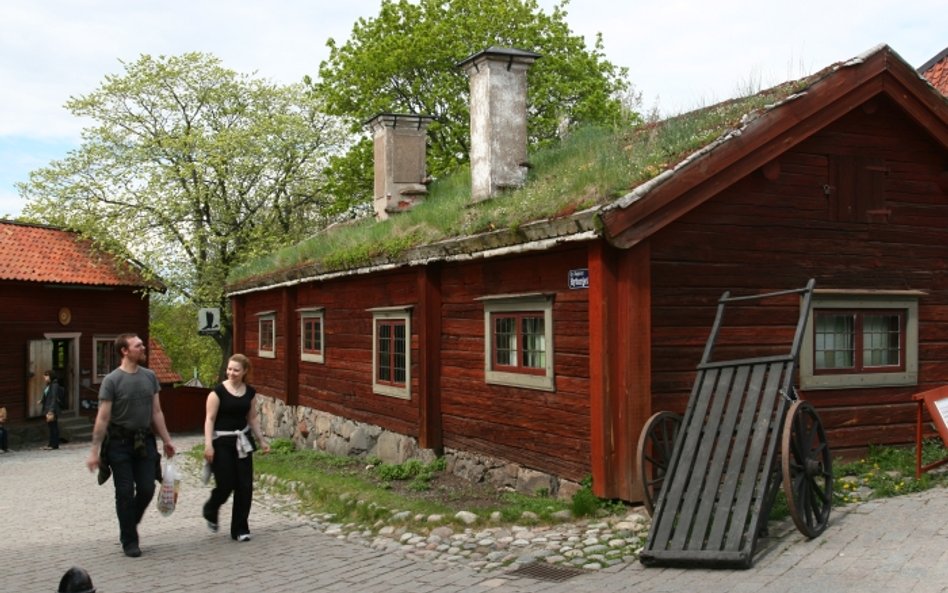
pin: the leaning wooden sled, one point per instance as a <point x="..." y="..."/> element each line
<point x="711" y="476"/>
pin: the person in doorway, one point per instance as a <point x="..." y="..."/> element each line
<point x="230" y="422"/>
<point x="124" y="437"/>
<point x="50" y="401"/>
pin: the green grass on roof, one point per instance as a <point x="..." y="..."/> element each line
<point x="591" y="166"/>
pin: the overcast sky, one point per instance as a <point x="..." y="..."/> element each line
<point x="680" y="53"/>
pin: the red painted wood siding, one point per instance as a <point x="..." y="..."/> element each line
<point x="764" y="235"/>
<point x="544" y="430"/>
<point x="29" y="311"/>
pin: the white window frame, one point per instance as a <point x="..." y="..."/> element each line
<point x="261" y="318"/>
<point x="402" y="313"/>
<point x="906" y="300"/>
<point x="542" y="302"/>
<point x="313" y="313"/>
<point x="110" y="344"/>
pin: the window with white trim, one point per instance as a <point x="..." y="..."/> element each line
<point x="266" y="335"/>
<point x="106" y="360"/>
<point x="311" y="335"/>
<point x="391" y="351"/>
<point x="860" y="339"/>
<point x="518" y="332"/>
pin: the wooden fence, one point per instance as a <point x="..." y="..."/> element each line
<point x="184" y="408"/>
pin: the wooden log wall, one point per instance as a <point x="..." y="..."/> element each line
<point x="29" y="311"/>
<point x="545" y="430"/>
<point x="342" y="384"/>
<point x="812" y="219"/>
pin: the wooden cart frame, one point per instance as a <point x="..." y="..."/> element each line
<point x="711" y="476"/>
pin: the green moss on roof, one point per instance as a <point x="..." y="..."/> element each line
<point x="591" y="167"/>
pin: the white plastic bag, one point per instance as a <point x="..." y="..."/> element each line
<point x="168" y="493"/>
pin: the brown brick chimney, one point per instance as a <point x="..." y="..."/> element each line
<point x="498" y="119"/>
<point x="399" y="144"/>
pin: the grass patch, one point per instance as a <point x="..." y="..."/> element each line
<point x="887" y="471"/>
<point x="592" y="166"/>
<point x="882" y="473"/>
<point x="369" y="492"/>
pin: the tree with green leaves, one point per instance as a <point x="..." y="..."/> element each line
<point x="172" y="322"/>
<point x="191" y="168"/>
<point x="405" y="61"/>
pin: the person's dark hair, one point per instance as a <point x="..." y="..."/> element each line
<point x="122" y="342"/>
<point x="76" y="580"/>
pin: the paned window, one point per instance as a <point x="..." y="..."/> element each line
<point x="266" y="340"/>
<point x="519" y="342"/>
<point x="311" y="335"/>
<point x="391" y="352"/>
<point x="860" y="340"/>
<point x="106" y="360"/>
<point x="518" y="332"/>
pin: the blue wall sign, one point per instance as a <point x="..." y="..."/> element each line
<point x="579" y="278"/>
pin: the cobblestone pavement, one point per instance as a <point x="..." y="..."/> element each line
<point x="54" y="516"/>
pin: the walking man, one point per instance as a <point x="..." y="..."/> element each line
<point x="123" y="438"/>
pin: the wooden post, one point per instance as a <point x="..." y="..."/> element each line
<point x="430" y="435"/>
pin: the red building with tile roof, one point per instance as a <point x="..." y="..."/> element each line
<point x="160" y="363"/>
<point x="935" y="71"/>
<point x="63" y="303"/>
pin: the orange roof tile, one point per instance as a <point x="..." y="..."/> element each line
<point x="936" y="71"/>
<point x="159" y="362"/>
<point x="36" y="253"/>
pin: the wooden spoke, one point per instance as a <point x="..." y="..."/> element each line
<point x="807" y="469"/>
<point x="656" y="444"/>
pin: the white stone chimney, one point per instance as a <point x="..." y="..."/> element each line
<point x="399" y="144"/>
<point x="498" y="119"/>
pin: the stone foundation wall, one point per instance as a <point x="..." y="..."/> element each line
<point x="313" y="429"/>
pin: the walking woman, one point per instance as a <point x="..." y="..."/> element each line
<point x="230" y="422"/>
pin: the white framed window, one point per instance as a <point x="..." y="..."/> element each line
<point x="311" y="334"/>
<point x="860" y="339"/>
<point x="391" y="351"/>
<point x="105" y="358"/>
<point x="518" y="340"/>
<point x="266" y="334"/>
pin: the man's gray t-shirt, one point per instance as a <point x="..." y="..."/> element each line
<point x="132" y="396"/>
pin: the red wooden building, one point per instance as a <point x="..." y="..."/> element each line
<point x="63" y="303"/>
<point x="549" y="346"/>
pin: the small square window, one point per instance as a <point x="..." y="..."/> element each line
<point x="518" y="349"/>
<point x="106" y="359"/>
<point x="391" y="352"/>
<point x="311" y="335"/>
<point x="266" y="340"/>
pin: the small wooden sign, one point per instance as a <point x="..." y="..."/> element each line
<point x="936" y="402"/>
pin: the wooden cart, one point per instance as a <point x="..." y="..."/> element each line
<point x="711" y="476"/>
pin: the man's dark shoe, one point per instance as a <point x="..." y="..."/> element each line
<point x="132" y="550"/>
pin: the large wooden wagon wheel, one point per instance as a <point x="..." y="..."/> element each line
<point x="656" y="443"/>
<point x="807" y="469"/>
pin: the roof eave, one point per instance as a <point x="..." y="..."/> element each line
<point x="658" y="202"/>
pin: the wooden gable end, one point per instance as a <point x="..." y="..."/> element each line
<point x="860" y="206"/>
<point x="848" y="87"/>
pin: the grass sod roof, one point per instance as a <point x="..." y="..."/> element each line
<point x="568" y="187"/>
